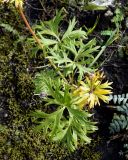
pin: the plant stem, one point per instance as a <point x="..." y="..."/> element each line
<point x="112" y="38"/>
<point x="28" y="26"/>
<point x="96" y="58"/>
<point x="38" y="41"/>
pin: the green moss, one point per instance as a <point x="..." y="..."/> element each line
<point x="25" y="144"/>
<point x="28" y="145"/>
<point x="89" y="153"/>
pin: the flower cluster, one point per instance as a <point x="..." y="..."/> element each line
<point x="92" y="90"/>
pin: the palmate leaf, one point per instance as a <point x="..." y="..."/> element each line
<point x="43" y="78"/>
<point x="69" y="65"/>
<point x="70" y="29"/>
<point x="49" y="83"/>
<point x="74" y="130"/>
<point x="48" y="30"/>
<point x="67" y="129"/>
<point x="68" y="132"/>
<point x="79" y="49"/>
<point x="70" y="46"/>
<point x="89" y="44"/>
<point x="50" y="121"/>
<point x="57" y="125"/>
<point x="88" y="53"/>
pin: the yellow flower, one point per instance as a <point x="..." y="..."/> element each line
<point x="17" y="2"/>
<point x="92" y="90"/>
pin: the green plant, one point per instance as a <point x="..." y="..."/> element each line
<point x="117" y="20"/>
<point x="86" y="4"/>
<point x="16" y="96"/>
<point x="67" y="122"/>
<point x="69" y="128"/>
<point x="69" y="49"/>
<point x="113" y="34"/>
<point x="14" y="32"/>
<point x="73" y="56"/>
<point x="119" y="124"/>
<point x="123" y="47"/>
<point x="120" y="119"/>
<point x="90" y="5"/>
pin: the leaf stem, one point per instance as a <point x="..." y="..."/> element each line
<point x="99" y="54"/>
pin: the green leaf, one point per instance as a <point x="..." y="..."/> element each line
<point x="70" y="29"/>
<point x="70" y="33"/>
<point x="47" y="42"/>
<point x="87" y="52"/>
<point x="45" y="80"/>
<point x="49" y="32"/>
<point x="60" y="135"/>
<point x="106" y="32"/>
<point x="56" y="125"/>
<point x="39" y="114"/>
<point x="54" y="24"/>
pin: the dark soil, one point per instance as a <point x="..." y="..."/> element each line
<point x="117" y="72"/>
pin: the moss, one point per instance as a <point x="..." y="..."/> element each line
<point x="19" y="142"/>
<point x="89" y="153"/>
<point x="28" y="145"/>
<point x="25" y="144"/>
